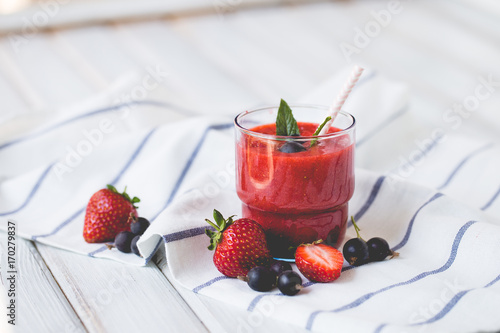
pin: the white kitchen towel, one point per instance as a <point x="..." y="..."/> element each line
<point x="436" y="203"/>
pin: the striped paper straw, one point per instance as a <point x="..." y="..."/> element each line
<point x="339" y="102"/>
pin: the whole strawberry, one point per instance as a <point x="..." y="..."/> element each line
<point x="108" y="213"/>
<point x="319" y="262"/>
<point x="239" y="246"/>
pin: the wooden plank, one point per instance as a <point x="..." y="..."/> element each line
<point x="383" y="54"/>
<point x="235" y="44"/>
<point x="22" y="85"/>
<point x="55" y="82"/>
<point x="484" y="24"/>
<point x="99" y="46"/>
<point x="288" y="38"/>
<point x="12" y="102"/>
<point x="482" y="49"/>
<point x="82" y="13"/>
<point x="456" y="66"/>
<point x="491" y="7"/>
<point x="113" y="297"/>
<point x="199" y="84"/>
<point x="42" y="306"/>
<point x="220" y="45"/>
<point x="78" y="62"/>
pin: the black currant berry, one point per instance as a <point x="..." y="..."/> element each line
<point x="379" y="249"/>
<point x="139" y="227"/>
<point x="289" y="283"/>
<point x="292" y="147"/>
<point x="133" y="245"/>
<point x="261" y="278"/>
<point x="123" y="241"/>
<point x="355" y="250"/>
<point x="280" y="266"/>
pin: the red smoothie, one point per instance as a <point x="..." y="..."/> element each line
<point x="297" y="197"/>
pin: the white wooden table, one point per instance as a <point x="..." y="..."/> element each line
<point x="218" y="61"/>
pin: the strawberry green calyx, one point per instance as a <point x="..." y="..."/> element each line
<point x="220" y="225"/>
<point x="133" y="200"/>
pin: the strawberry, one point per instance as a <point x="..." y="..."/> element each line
<point x="239" y="246"/>
<point x="108" y="213"/>
<point x="319" y="262"/>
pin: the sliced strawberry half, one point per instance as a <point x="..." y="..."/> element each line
<point x="319" y="262"/>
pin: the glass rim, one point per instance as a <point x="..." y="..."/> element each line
<point x="345" y="131"/>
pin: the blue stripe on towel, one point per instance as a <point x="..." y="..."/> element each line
<point x="366" y="297"/>
<point x="117" y="178"/>
<point x="206" y="284"/>
<point x="256" y="300"/>
<point x="410" y="225"/>
<point x="132" y="158"/>
<point x="175" y="236"/>
<point x="492" y="282"/>
<point x="490" y="202"/>
<point x="371" y="198"/>
<point x="189" y="163"/>
<point x="101" y="249"/>
<point x="462" y="163"/>
<point x="76" y="118"/>
<point x="447" y="308"/>
<point x="380" y="328"/>
<point x="32" y="192"/>
<point x="60" y="226"/>
<point x="150" y="256"/>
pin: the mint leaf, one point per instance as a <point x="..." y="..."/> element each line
<point x="313" y="142"/>
<point x="286" y="125"/>
<point x="322" y="125"/>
